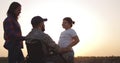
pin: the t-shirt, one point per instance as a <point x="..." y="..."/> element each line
<point x="66" y="37"/>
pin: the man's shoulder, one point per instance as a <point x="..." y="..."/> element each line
<point x="36" y="34"/>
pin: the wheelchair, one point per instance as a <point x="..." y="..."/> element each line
<point x="38" y="52"/>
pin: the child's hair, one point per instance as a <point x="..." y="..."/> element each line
<point x="70" y="21"/>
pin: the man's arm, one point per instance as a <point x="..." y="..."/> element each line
<point x="54" y="46"/>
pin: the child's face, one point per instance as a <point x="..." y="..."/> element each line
<point x="65" y="24"/>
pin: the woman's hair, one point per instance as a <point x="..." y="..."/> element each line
<point x="70" y="21"/>
<point x="12" y="9"/>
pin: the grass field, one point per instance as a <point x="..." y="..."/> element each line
<point x="109" y="59"/>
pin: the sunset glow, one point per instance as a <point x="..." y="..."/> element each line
<point x="97" y="23"/>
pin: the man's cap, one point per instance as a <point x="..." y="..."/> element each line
<point x="37" y="19"/>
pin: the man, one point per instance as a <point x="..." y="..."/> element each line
<point x="38" y="36"/>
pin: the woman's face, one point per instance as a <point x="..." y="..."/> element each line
<point x="18" y="11"/>
<point x="65" y="24"/>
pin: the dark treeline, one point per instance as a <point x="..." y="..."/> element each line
<point x="93" y="59"/>
<point x="3" y="60"/>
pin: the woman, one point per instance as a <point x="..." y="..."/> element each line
<point x="12" y="34"/>
<point x="68" y="38"/>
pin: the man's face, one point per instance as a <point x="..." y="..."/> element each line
<point x="43" y="27"/>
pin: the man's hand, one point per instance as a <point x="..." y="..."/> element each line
<point x="64" y="50"/>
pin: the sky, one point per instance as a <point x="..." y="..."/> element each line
<point x="97" y="23"/>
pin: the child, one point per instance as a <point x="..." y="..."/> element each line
<point x="68" y="38"/>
